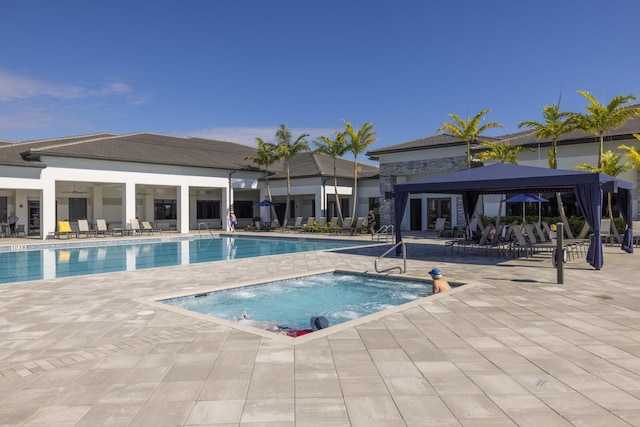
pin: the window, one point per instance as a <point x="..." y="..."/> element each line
<point x="165" y="209"/>
<point x="3" y="209"/>
<point x="438" y="208"/>
<point x="243" y="208"/>
<point x="77" y="209"/>
<point x="208" y="209"/>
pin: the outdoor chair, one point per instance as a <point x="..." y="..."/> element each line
<point x="346" y="225"/>
<point x="438" y="228"/>
<point x="64" y="229"/>
<point x="308" y="226"/>
<point x="101" y="228"/>
<point x="333" y="225"/>
<point x="83" y="229"/>
<point x="296" y="225"/>
<point x="134" y="227"/>
<point x="20" y="230"/>
<point x="322" y="223"/>
<point x="147" y="227"/>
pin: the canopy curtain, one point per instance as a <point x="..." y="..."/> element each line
<point x="589" y="198"/>
<point x="401" y="204"/>
<point x="626" y="209"/>
<point x="469" y="202"/>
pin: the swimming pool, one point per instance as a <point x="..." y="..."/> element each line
<point x="55" y="262"/>
<point x="290" y="304"/>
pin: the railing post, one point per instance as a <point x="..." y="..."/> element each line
<point x="559" y="252"/>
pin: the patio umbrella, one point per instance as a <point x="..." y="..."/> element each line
<point x="524" y="198"/>
<point x="266" y="203"/>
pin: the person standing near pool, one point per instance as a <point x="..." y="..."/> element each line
<point x="233" y="221"/>
<point x="12" y="219"/>
<point x="372" y="222"/>
<point x="440" y="284"/>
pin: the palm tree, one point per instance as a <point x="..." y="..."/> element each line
<point x="265" y="156"/>
<point x="286" y="149"/>
<point x="335" y="147"/>
<point x="632" y="153"/>
<point x="357" y="143"/>
<point x="503" y="152"/>
<point x="610" y="165"/>
<point x="600" y="118"/>
<point x="467" y="130"/>
<point x="556" y="124"/>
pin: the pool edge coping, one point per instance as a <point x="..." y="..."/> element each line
<point x="155" y="301"/>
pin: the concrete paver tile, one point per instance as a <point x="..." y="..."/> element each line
<point x="373" y="386"/>
<point x="215" y="412"/>
<point x="271" y="389"/>
<point x="424" y="408"/>
<point x="371" y="408"/>
<point x="320" y="409"/>
<point x="224" y="390"/>
<point x="322" y="387"/>
<point x="268" y="410"/>
<point x="472" y="406"/>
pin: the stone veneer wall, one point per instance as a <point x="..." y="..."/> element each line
<point x="390" y="171"/>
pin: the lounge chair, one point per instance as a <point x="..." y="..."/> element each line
<point x="438" y="228"/>
<point x="322" y="224"/>
<point x="361" y="225"/>
<point x="333" y="225"/>
<point x="346" y="225"/>
<point x="296" y="225"/>
<point x="64" y="229"/>
<point x="147" y="227"/>
<point x="468" y="243"/>
<point x="134" y="227"/>
<point x="101" y="228"/>
<point x="83" y="229"/>
<point x="308" y="226"/>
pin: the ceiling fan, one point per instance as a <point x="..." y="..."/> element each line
<point x="74" y="191"/>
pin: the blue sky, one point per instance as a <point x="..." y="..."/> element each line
<point x="234" y="70"/>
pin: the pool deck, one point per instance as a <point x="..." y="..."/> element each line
<point x="514" y="348"/>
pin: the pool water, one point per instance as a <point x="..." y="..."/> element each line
<point x="17" y="266"/>
<point x="290" y="304"/>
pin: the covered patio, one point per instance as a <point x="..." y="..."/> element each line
<point x="588" y="187"/>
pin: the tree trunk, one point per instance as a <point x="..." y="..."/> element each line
<point x="563" y="216"/>
<point x="499" y="213"/>
<point x="286" y="208"/>
<point x="355" y="189"/>
<point x="335" y="188"/>
<point x="273" y="209"/>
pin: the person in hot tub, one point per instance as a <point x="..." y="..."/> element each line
<point x="440" y="284"/>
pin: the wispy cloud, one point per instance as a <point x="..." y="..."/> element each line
<point x="247" y="135"/>
<point x="14" y="86"/>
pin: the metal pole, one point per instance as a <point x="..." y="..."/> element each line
<point x="559" y="251"/>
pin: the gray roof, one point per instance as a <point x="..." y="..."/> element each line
<point x="136" y="148"/>
<point x="525" y="137"/>
<point x="310" y="164"/>
<point x="152" y="148"/>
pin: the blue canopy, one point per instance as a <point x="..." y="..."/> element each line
<point x="507" y="178"/>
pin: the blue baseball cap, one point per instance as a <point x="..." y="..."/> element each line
<point x="435" y="272"/>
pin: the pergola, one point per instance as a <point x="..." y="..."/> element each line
<point x="588" y="187"/>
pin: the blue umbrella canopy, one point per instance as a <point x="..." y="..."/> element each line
<point x="524" y="197"/>
<point x="265" y="202"/>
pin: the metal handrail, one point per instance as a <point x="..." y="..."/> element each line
<point x="386" y="231"/>
<point x="404" y="257"/>
<point x="200" y="224"/>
